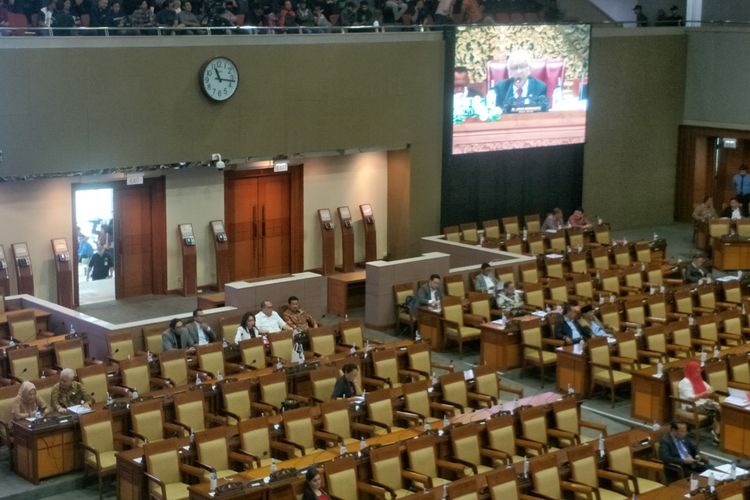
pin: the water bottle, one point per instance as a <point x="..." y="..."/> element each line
<point x="219" y="376"/>
<point x="693" y="482"/>
<point x="192" y="437"/>
<point x="491" y="98"/>
<point x="362" y="444"/>
<point x="659" y="369"/>
<point x="427" y="426"/>
<point x="446" y="421"/>
<point x="134" y="394"/>
<point x="212" y="481"/>
<point x="571" y="391"/>
<point x="273" y="466"/>
<point x="656" y="236"/>
<point x="451" y="365"/>
<point x="12" y="341"/>
<point x="717" y="352"/>
<point x="353" y="349"/>
<point x="711" y="482"/>
<point x="279" y="364"/>
<point x="704" y="355"/>
<point x="526" y="466"/>
<point x="601" y="444"/>
<point x="342" y="448"/>
<point x="417" y="336"/>
<point x="733" y="470"/>
<point x="198" y="380"/>
<point x="150" y="356"/>
<point x="72" y="329"/>
<point x="44" y="375"/>
<point x="109" y="399"/>
<point x="655" y="426"/>
<point x="691" y="320"/>
<point x="367" y="344"/>
<point x="599" y="220"/>
<point x="434" y="378"/>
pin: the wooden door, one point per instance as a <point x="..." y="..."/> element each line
<point x="140" y="239"/>
<point x="263" y="218"/>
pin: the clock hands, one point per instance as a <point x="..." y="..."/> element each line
<point x="218" y="76"/>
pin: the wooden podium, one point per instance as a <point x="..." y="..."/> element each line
<point x="368" y="221"/>
<point x="64" y="271"/>
<point x="189" y="265"/>
<point x="221" y="249"/>
<point x="327" y="235"/>
<point x="24" y="273"/>
<point x="347" y="240"/>
<point x="4" y="279"/>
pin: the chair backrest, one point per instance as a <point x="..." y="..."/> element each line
<point x="2" y="300"/>
<point x="610" y="314"/>
<point x="236" y="398"/>
<point x="535" y="243"/>
<point x="273" y="389"/>
<point x="600" y="258"/>
<point x="531" y="333"/>
<point x="583" y="464"/>
<point x="627" y="347"/>
<point x="567" y="415"/>
<point x="464" y="489"/>
<point x="385" y="462"/>
<point x="341" y="477"/>
<point x="385" y="364"/>
<point x="465" y="443"/>
<point x="716" y="373"/>
<point x="554" y="267"/>
<point x="189" y="409"/>
<point x="96" y="432"/>
<point x="24" y="362"/>
<point x="707" y="296"/>
<point x="282" y="345"/>
<point x="480" y="304"/>
<point x="485" y="381"/>
<point x="619" y="454"/>
<point x="683" y="301"/>
<point x="298" y="427"/>
<point x="534" y="295"/>
<point x="732" y="292"/>
<point x="718" y="227"/>
<point x="740" y="367"/>
<point x="529" y="272"/>
<point x="420" y="357"/>
<point x="558" y="290"/>
<point x="609" y="281"/>
<point x="8" y="394"/>
<point x="135" y="374"/>
<point x="452" y="233"/>
<point x="656" y="338"/>
<point x="254" y="437"/>
<point x="44" y="388"/>
<point x="511" y="225"/>
<point x="556" y="241"/>
<point x="599" y="354"/>
<point x="322" y="340"/>
<point x="211" y="357"/>
<point x="94" y="380"/>
<point x="163" y="461"/>
<point x="491" y="229"/>
<point x="152" y="338"/>
<point x="336" y="418"/>
<point x="120" y="345"/>
<point x="602" y="236"/>
<point x="380" y="406"/>
<point x="708" y="329"/>
<point x="622" y="256"/>
<point x="533" y="223"/>
<point x="147" y="419"/>
<point x="351" y="333"/>
<point x="680" y="331"/>
<point x="174" y="366"/>
<point x="732" y="321"/>
<point x="534" y="423"/>
<point x="514" y="245"/>
<point x="635" y="311"/>
<point x="501" y="434"/>
<point x="417" y="397"/>
<point x="633" y="276"/>
<point x="503" y="484"/>
<point x="578" y="262"/>
<point x="657" y="306"/>
<point x="575" y="237"/>
<point x="584" y="286"/>
<point x="69" y="354"/>
<point x="253" y="352"/>
<point x="453" y="387"/>
<point x="454" y="285"/>
<point x="323" y="380"/>
<point x="213" y="448"/>
<point x="469" y="232"/>
<point x="22" y="325"/>
<point x="228" y="327"/>
<point x="545" y="476"/>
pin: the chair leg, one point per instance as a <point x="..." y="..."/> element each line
<point x="541" y="374"/>
<point x="612" y="391"/>
<point x="99" y="476"/>
<point x="461" y="348"/>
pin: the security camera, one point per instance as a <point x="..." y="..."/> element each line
<point x="220" y="165"/>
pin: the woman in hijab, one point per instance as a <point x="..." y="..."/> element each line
<point x="27" y="403"/>
<point x="693" y="388"/>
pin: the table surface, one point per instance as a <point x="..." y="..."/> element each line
<point x="352" y="277"/>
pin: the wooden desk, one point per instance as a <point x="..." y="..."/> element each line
<point x="735" y="430"/>
<point x="500" y="347"/>
<point x="430" y="327"/>
<point x="650" y="395"/>
<point x="731" y="253"/>
<point x="520" y="130"/>
<point x="45" y="451"/>
<point x="573" y="369"/>
<point x="41" y="316"/>
<point x="211" y="300"/>
<point x="346" y="290"/>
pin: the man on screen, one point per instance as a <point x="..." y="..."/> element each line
<point x="461" y="82"/>
<point x="521" y="91"/>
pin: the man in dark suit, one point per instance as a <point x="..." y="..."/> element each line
<point x="569" y="329"/>
<point x="695" y="271"/>
<point x="429" y="294"/>
<point x="521" y="90"/>
<point x="174" y="337"/>
<point x="734" y="211"/>
<point x="678" y="452"/>
<point x="199" y="332"/>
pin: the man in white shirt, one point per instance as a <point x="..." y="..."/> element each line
<point x="268" y="320"/>
<point x="597" y="329"/>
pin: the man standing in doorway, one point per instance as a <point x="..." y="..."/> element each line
<point x="741" y="184"/>
<point x="99" y="265"/>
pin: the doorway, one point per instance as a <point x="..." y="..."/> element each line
<point x="94" y="234"/>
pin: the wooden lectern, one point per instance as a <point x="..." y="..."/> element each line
<point x="221" y="249"/>
<point x="370" y="234"/>
<point x="64" y="271"/>
<point x="189" y="266"/>
<point x="347" y="240"/>
<point x="24" y="274"/>
<point x="4" y="279"/>
<point x="326" y="233"/>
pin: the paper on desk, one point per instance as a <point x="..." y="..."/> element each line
<point x="79" y="409"/>
<point x="726" y="278"/>
<point x="554" y="256"/>
<point x="727" y="469"/>
<point x="733" y="400"/>
<point x="539" y="314"/>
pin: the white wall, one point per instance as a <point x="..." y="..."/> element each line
<point x="194" y="196"/>
<point x="340" y="181"/>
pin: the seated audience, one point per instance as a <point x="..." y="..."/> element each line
<point x="79" y="8"/>
<point x="705" y="211"/>
<point x="47" y="14"/>
<point x="364" y="14"/>
<point x="430" y="294"/>
<point x="99" y="16"/>
<point x="695" y="271"/>
<point x="676" y="449"/>
<point x="143" y="16"/>
<point x="287" y="16"/>
<point x="187" y="18"/>
<point x="394" y="10"/>
<point x="578" y="219"/>
<point x="734" y="211"/>
<point x="27" y="403"/>
<point x="348" y="14"/>
<point x="268" y="321"/>
<point x="346" y="386"/>
<point x="304" y="14"/>
<point x="174" y="337"/>
<point x="319" y="17"/>
<point x="247" y="329"/>
<point x="509" y="297"/>
<point x="570" y="330"/>
<point x="553" y="221"/>
<point x="297" y="318"/>
<point x="67" y="392"/>
<point x="693" y="388"/>
<point x="314" y="485"/>
<point x="486" y="281"/>
<point x="198" y="332"/>
<point x="597" y="327"/>
<point x="167" y="17"/>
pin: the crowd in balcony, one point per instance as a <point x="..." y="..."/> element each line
<point x="291" y="16"/>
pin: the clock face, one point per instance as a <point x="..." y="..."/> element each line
<point x="219" y="79"/>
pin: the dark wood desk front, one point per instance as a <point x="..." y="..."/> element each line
<point x="735" y="430"/>
<point x="731" y="253"/>
<point x="45" y="451"/>
<point x="573" y="369"/>
<point x="346" y="290"/>
<point x="500" y="346"/>
<point x="430" y="327"/>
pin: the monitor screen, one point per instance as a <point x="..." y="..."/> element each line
<point x="519" y="86"/>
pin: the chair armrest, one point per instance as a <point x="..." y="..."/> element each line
<point x="411" y="374"/>
<point x="450" y="368"/>
<point x="703" y="342"/>
<point x="362" y="428"/>
<point x="371" y="489"/>
<point x="455" y="405"/>
<point x="280" y="445"/>
<point x="494" y="455"/>
<point x="513" y="390"/>
<point x="739" y="385"/>
<point x="373" y="382"/>
<point x="470" y="465"/>
<point x="125" y="440"/>
<point x="185" y="427"/>
<point x="379" y="380"/>
<point x="227" y="413"/>
<point x="408" y="416"/>
<point x="96" y="454"/>
<point x="530" y="443"/>
<point x="141" y="437"/>
<point x="159" y="382"/>
<point x="216" y="419"/>
<point x="451" y="466"/>
<point x="593" y="425"/>
<point x="233" y="367"/>
<point x="625" y="361"/>
<point x="296" y="446"/>
<point x="445" y="408"/>
<point x="654" y="319"/>
<point x="477" y="396"/>
<point x="552" y="342"/>
<point x="175" y="429"/>
<point x="413" y="475"/>
<point x="255" y="460"/>
<point x="612" y="475"/>
<point x="578" y="488"/>
<point x="681" y="348"/>
<point x="297" y="397"/>
<point x="264" y="407"/>
<point x="560" y="434"/>
<point x="648" y="464"/>
<point x="193" y="471"/>
<point x="329" y="438"/>
<point x="379" y="424"/>
<point x="702" y="309"/>
<point x="645" y="353"/>
<point x="384" y="487"/>
<point x="539" y="495"/>
<point x="731" y="336"/>
<point x="158" y="482"/>
<point x="474" y="319"/>
<point x="203" y="466"/>
<point x="243" y="458"/>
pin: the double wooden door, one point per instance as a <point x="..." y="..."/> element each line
<point x="259" y="210"/>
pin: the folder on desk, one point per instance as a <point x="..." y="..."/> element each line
<point x="79" y="409"/>
<point x="738" y="397"/>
